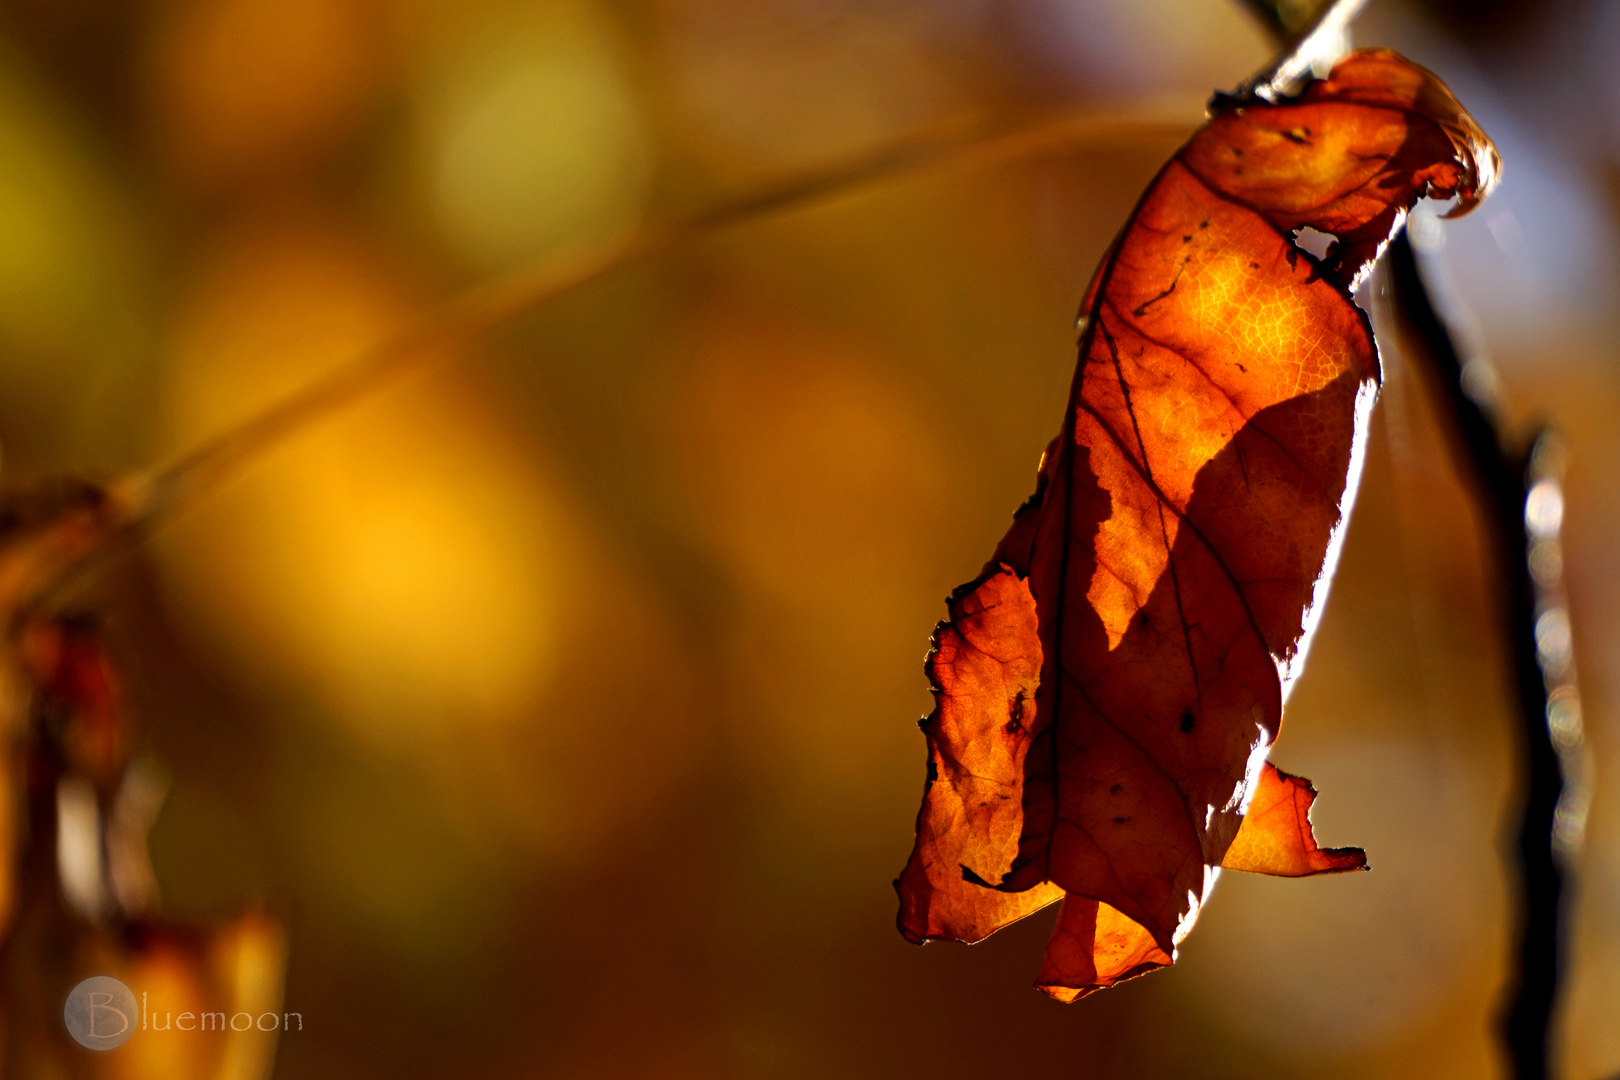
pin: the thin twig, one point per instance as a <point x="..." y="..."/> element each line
<point x="448" y="331"/>
<point x="1309" y="37"/>
<point x="487" y="307"/>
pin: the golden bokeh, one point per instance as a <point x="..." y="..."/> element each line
<point x="406" y="562"/>
<point x="530" y="136"/>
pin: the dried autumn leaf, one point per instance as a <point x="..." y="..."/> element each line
<point x="1109" y="689"/>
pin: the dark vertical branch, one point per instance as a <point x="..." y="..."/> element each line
<point x="1521" y="507"/>
<point x="1517" y="490"/>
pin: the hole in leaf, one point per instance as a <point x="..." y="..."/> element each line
<point x="1313" y="241"/>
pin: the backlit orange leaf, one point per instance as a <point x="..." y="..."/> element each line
<point x="1109" y="688"/>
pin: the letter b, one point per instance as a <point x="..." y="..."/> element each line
<point x="99" y="1013"/>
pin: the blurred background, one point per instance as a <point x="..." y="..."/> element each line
<point x="562" y="701"/>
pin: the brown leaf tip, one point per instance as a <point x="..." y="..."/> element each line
<point x="1385" y="79"/>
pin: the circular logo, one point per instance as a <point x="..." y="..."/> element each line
<point x="100" y="1013"/>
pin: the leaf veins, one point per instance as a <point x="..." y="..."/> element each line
<point x="1108" y="690"/>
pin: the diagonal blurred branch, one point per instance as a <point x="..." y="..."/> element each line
<point x="490" y="306"/>
<point x="445" y="332"/>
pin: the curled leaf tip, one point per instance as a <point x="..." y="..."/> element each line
<point x="1384" y="77"/>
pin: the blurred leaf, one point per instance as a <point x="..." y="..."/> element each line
<point x="1109" y="689"/>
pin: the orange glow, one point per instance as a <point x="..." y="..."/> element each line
<point x="248" y="85"/>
